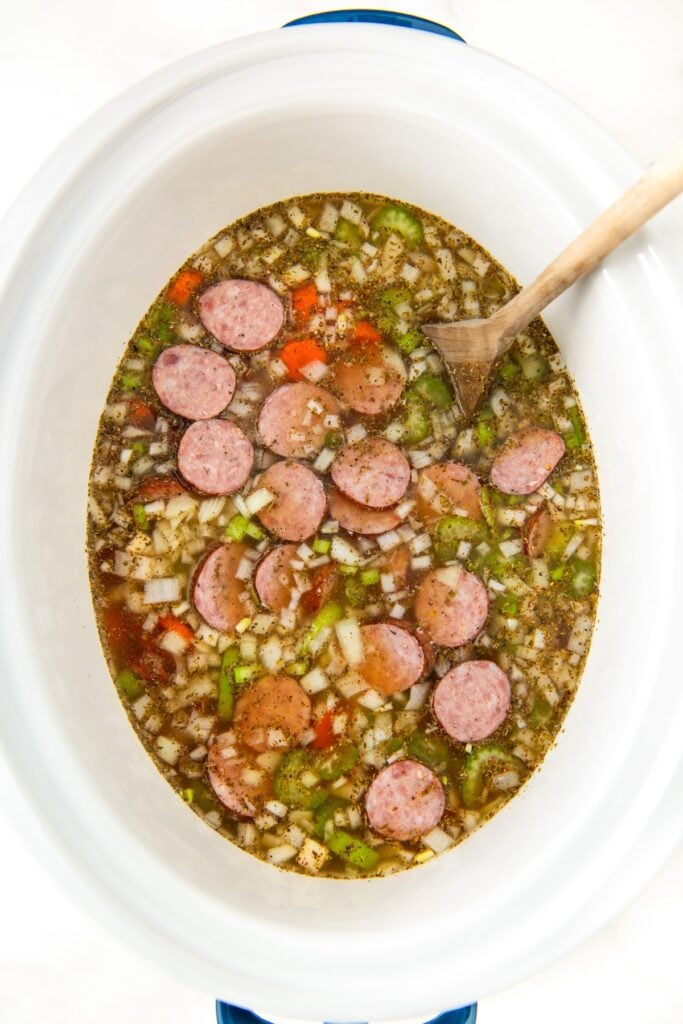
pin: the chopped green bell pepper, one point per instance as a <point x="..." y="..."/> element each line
<point x="337" y="761"/>
<point x="478" y="763"/>
<point x="353" y="850"/>
<point x="429" y="748"/>
<point x="226" y="683"/>
<point x="288" y="785"/>
<point x="434" y="389"/>
<point x="347" y="233"/>
<point x="129" y="684"/>
<point x="140" y="516"/>
<point x="396" y="218"/>
<point x="327" y="616"/>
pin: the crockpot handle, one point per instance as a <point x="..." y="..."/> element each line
<point x="228" y="1014"/>
<point x="379" y="18"/>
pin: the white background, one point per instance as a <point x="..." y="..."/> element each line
<point x="621" y="60"/>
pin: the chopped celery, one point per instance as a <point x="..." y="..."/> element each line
<point x="321" y="545"/>
<point x="226" y="683"/>
<point x="576" y="437"/>
<point x="137" y="448"/>
<point x="369" y="577"/>
<point x="334" y="439"/>
<point x="288" y="785"/>
<point x="347" y="570"/>
<point x="541" y="713"/>
<point x="188" y="795"/>
<point x="489" y="512"/>
<point x="203" y="797"/>
<point x="336" y="762"/>
<point x="325" y="813"/>
<point x="253" y="530"/>
<point x="507" y="371"/>
<point x="396" y="218"/>
<point x="452" y="529"/>
<point x="394" y="296"/>
<point x="477" y="763"/>
<point x="353" y="850"/>
<point x="507" y="604"/>
<point x="434" y="389"/>
<point x="327" y="616"/>
<point x="559" y="538"/>
<point x="581" y="578"/>
<point x="297" y="668"/>
<point x="429" y="748"/>
<point x="409" y="341"/>
<point x="145" y="345"/>
<point x="484" y="428"/>
<point x="416" y="422"/>
<point x="534" y="366"/>
<point x="493" y="287"/>
<point x="347" y="233"/>
<point x="237" y="528"/>
<point x="243" y="673"/>
<point x="310" y="254"/>
<point x="354" y="592"/>
<point x="159" y="321"/>
<point x="129" y="684"/>
<point x="558" y="573"/>
<point x="129" y="381"/>
<point x="140" y="517"/>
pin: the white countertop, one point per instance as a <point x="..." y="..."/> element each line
<point x="618" y="59"/>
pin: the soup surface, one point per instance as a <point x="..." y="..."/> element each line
<point x="345" y="625"/>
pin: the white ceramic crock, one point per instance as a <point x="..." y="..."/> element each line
<point x="83" y="252"/>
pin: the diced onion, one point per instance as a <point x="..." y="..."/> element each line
<point x="162" y="590"/>
<point x="314" y="371"/>
<point x="324" y="460"/>
<point x="437" y="840"/>
<point x="388" y="540"/>
<point x="350" y="640"/>
<point x="258" y="500"/>
<point x="344" y="552"/>
<point x="450" y="575"/>
<point x="314" y="681"/>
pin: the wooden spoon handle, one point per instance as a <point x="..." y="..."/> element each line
<point x="661" y="183"/>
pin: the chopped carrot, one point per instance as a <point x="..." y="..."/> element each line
<point x="141" y="415"/>
<point x="365" y="332"/>
<point x="299" y="353"/>
<point x="304" y="300"/>
<point x="185" y="285"/>
<point x="174" y="625"/>
<point x="324" y="735"/>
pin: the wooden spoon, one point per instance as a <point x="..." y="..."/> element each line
<point x="470" y="347"/>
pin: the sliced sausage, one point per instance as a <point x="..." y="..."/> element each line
<point x="451" y="606"/>
<point x="372" y="472"/>
<point x="244" y="316"/>
<point x="299" y="505"/>
<point x="238" y="785"/>
<point x="446" y="489"/>
<point x="215" y="457"/>
<point x="358" y="519"/>
<point x="292" y="419"/>
<point x="405" y="801"/>
<point x="272" y="714"/>
<point x="526" y="460"/>
<point x="370" y="380"/>
<point x="220" y="598"/>
<point x="472" y="700"/>
<point x="155" y="488"/>
<point x="274" y="577"/>
<point x="193" y="382"/>
<point x="536" y="532"/>
<point x="393" y="658"/>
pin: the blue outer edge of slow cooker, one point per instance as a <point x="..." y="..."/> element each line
<point x="225" y="1012"/>
<point x="380" y="18"/>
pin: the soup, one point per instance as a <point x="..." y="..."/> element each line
<point x="346" y="625"/>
